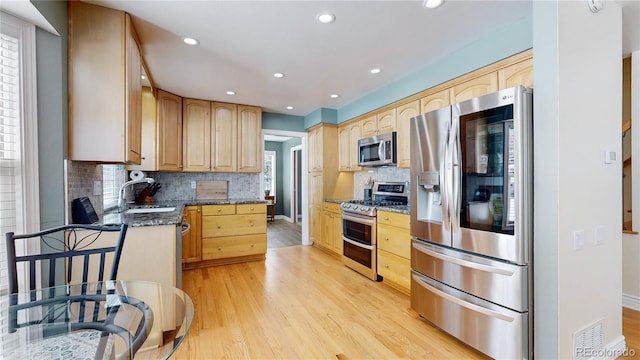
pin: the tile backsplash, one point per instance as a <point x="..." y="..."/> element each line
<point x="378" y="174"/>
<point x="178" y="185"/>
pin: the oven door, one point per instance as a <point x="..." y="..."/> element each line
<point x="359" y="244"/>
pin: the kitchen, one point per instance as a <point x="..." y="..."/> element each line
<point x="573" y="322"/>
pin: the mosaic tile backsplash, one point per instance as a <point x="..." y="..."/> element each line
<point x="378" y="174"/>
<point x="177" y="185"/>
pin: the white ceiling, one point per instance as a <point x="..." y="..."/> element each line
<point x="242" y="43"/>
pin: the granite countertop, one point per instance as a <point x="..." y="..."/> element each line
<point x="336" y="201"/>
<point x="400" y="209"/>
<point x="164" y="218"/>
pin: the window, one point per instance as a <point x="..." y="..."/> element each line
<point x="112" y="179"/>
<point x="19" y="193"/>
<point x="270" y="173"/>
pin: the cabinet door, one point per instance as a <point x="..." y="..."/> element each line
<point x="192" y="241"/>
<point x="316" y="155"/>
<point x="517" y="74"/>
<point x="196" y="130"/>
<point x="337" y="233"/>
<point x="224" y="134"/>
<point x="435" y="101"/>
<point x="316" y="194"/>
<point x="249" y="139"/>
<point x="344" y="148"/>
<point x="133" y="88"/>
<point x="369" y="126"/>
<point x="475" y="87"/>
<point x="405" y="113"/>
<point x="149" y="129"/>
<point x="355" y="134"/>
<point x="386" y="121"/>
<point x="169" y="147"/>
<point x="326" y="231"/>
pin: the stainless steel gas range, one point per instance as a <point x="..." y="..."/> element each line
<point x="359" y="226"/>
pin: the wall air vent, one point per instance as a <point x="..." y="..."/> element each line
<point x="587" y="341"/>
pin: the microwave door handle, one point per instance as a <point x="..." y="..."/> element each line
<point x="381" y="150"/>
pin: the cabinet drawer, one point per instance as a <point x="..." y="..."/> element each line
<point x="333" y="207"/>
<point x="229" y="225"/>
<point x="251" y="209"/>
<point x="394" y="240"/>
<point x="218" y="209"/>
<point x="394" y="269"/>
<point x="395" y="219"/>
<point x="234" y="246"/>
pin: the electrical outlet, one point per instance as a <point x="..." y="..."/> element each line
<point x="193" y="184"/>
<point x="578" y="240"/>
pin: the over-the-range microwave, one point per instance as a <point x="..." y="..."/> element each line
<point x="379" y="150"/>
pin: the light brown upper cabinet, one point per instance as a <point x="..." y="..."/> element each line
<point x="105" y="90"/>
<point x="405" y="113"/>
<point x="149" y="131"/>
<point x="169" y="140"/>
<point x="316" y="145"/>
<point x="224" y="137"/>
<point x="517" y="74"/>
<point x="475" y="87"/>
<point x="249" y="139"/>
<point x="435" y="101"/>
<point x="196" y="138"/>
<point x="379" y="123"/>
<point x="348" y="136"/>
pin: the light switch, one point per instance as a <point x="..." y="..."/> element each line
<point x="610" y="156"/>
<point x="599" y="235"/>
<point x="193" y="184"/>
<point x="578" y="240"/>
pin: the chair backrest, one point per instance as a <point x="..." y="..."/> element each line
<point x="83" y="252"/>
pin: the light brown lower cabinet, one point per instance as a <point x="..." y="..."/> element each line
<point x="331" y="233"/>
<point x="232" y="233"/>
<point x="192" y="241"/>
<point x="394" y="250"/>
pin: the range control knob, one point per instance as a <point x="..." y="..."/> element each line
<point x="365" y="208"/>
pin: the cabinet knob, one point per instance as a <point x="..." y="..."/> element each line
<point x="252" y="224"/>
<point x="386" y="218"/>
<point x="251" y="209"/>
<point x="386" y="266"/>
<point x="219" y="226"/>
<point x="386" y="238"/>
<point x="219" y="249"/>
<point x="251" y="245"/>
<point x="219" y="210"/>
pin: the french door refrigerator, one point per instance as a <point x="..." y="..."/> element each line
<point x="471" y="221"/>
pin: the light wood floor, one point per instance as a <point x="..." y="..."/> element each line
<point x="281" y="233"/>
<point x="302" y="303"/>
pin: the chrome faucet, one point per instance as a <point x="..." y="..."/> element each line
<point x="121" y="199"/>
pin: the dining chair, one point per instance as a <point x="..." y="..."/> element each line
<point x="73" y="254"/>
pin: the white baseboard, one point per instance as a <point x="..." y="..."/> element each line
<point x="631" y="302"/>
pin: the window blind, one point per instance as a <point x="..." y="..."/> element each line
<point x="10" y="155"/>
<point x="112" y="179"/>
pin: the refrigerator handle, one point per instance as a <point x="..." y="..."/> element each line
<point x="454" y="148"/>
<point x="444" y="186"/>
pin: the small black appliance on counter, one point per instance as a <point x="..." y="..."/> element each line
<point x="82" y="211"/>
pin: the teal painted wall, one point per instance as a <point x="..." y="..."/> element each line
<point x="324" y="115"/>
<point x="51" y="74"/>
<point x="277" y="147"/>
<point x="273" y="121"/>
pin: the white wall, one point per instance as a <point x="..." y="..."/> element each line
<point x="578" y="77"/>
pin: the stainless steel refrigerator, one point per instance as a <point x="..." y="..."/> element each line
<point x="471" y="221"/>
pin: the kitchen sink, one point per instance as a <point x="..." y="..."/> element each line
<point x="150" y="210"/>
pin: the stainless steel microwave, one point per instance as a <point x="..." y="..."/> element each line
<point x="379" y="150"/>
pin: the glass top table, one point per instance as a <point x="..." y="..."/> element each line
<point x="113" y="319"/>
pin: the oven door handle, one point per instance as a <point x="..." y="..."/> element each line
<point x="359" y="219"/>
<point x="355" y="243"/>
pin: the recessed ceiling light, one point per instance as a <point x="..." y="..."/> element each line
<point x="375" y="70"/>
<point x="432" y="4"/>
<point x="334" y="96"/>
<point x="190" y="41"/>
<point x="230" y="92"/>
<point x="278" y="75"/>
<point x="289" y="107"/>
<point x="326" y="18"/>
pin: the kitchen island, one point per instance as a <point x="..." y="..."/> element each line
<point x="154" y="244"/>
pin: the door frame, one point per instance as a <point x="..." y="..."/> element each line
<point x="294" y="182"/>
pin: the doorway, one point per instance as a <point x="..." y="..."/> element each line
<point x="291" y="208"/>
